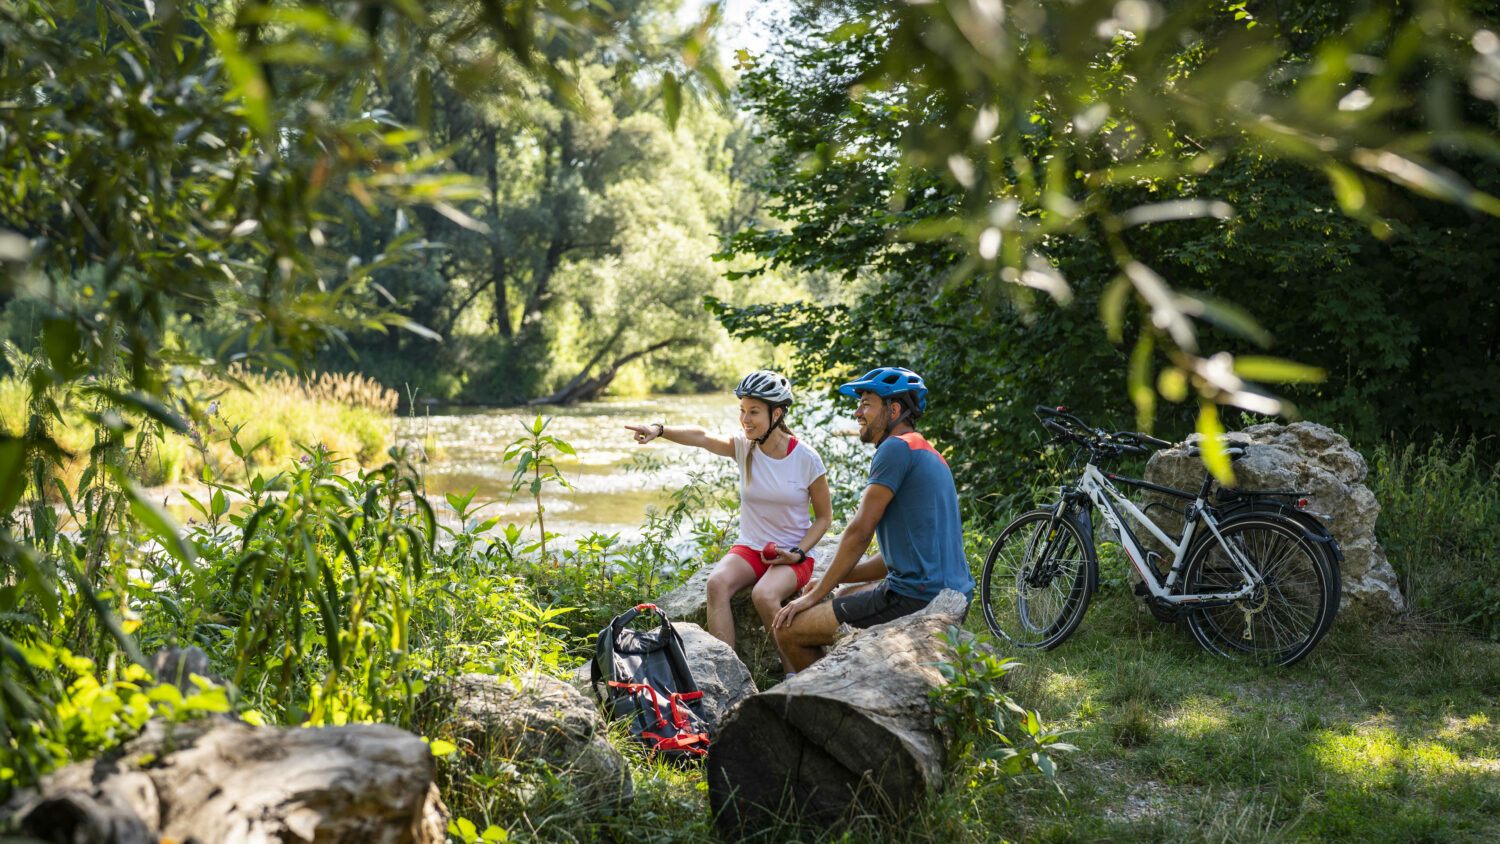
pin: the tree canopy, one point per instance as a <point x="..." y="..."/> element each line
<point x="1169" y="170"/>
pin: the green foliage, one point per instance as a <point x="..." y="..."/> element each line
<point x="93" y="710"/>
<point x="1440" y="526"/>
<point x="973" y="707"/>
<point x="950" y="184"/>
<point x="534" y="453"/>
<point x="587" y="248"/>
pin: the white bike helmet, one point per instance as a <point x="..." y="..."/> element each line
<point x="769" y="387"/>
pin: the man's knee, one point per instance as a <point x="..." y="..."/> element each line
<point x="813" y="628"/>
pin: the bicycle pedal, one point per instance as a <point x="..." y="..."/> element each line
<point x="1141" y="589"/>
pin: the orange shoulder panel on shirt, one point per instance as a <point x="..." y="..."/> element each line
<point x="917" y="442"/>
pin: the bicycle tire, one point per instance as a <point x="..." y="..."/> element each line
<point x="1281" y="622"/>
<point x="1037" y="603"/>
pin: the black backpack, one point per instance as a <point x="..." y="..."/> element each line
<point x="644" y="676"/>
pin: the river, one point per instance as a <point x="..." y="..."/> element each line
<point x="468" y="452"/>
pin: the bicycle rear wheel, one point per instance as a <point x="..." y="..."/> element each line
<point x="1035" y="586"/>
<point x="1291" y="608"/>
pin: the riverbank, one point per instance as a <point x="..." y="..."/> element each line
<point x="1385" y="733"/>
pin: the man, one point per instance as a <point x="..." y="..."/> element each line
<point x="910" y="504"/>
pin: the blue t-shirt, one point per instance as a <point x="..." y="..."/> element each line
<point x="920" y="533"/>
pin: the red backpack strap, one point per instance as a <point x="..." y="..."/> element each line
<point x="651" y="694"/>
<point x="679" y="718"/>
<point x="694" y="743"/>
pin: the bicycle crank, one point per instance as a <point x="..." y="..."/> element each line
<point x="1258" y="601"/>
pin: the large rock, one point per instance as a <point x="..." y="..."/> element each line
<point x="718" y="672"/>
<point x="1310" y="458"/>
<point x="756" y="649"/>
<point x="853" y="734"/>
<point x="227" y="782"/>
<point x="538" y="717"/>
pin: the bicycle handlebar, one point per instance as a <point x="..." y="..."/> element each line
<point x="1096" y="439"/>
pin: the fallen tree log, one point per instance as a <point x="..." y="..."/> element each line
<point x="226" y="782"/>
<point x="851" y="735"/>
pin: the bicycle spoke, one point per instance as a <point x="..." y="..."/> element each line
<point x="1286" y="613"/>
<point x="1034" y="587"/>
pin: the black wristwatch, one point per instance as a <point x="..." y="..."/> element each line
<point x="801" y="555"/>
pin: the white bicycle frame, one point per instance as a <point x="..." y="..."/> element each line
<point x="1110" y="503"/>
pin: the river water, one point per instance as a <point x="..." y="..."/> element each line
<point x="467" y="448"/>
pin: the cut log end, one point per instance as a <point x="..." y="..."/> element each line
<point x="812" y="759"/>
<point x="851" y="735"/>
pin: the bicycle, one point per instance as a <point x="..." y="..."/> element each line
<point x="1252" y="576"/>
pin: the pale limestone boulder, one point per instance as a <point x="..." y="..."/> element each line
<point x="1311" y="458"/>
<point x="717" y="671"/>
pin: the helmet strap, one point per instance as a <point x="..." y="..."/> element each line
<point x="770" y="429"/>
<point x="892" y="424"/>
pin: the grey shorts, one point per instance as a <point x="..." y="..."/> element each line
<point x="869" y="607"/>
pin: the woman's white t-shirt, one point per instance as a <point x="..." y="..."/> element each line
<point x="773" y="503"/>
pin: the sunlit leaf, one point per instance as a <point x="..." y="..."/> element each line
<point x="1211" y="445"/>
<point x="671" y="98"/>
<point x="160" y="524"/>
<point x="1276" y="370"/>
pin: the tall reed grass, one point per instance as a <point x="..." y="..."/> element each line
<point x="1440" y="526"/>
<point x="349" y="415"/>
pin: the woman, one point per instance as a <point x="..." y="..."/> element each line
<point x="778" y="478"/>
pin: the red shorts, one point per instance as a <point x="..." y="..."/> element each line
<point x="750" y="555"/>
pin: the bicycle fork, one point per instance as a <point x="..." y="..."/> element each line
<point x="1044" y="565"/>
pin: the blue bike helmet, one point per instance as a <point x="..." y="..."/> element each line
<point x="888" y="381"/>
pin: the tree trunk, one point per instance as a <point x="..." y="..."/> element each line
<point x="583" y="388"/>
<point x="498" y="270"/>
<point x="852" y="734"/>
<point x="220" y="781"/>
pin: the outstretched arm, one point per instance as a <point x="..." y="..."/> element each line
<point x="683" y="435"/>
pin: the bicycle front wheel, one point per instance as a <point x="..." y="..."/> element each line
<point x="1035" y="585"/>
<point x="1292" y="606"/>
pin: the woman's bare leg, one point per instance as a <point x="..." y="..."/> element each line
<point x="729" y="576"/>
<point x="769" y="594"/>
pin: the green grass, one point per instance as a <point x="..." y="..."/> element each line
<point x="1440" y="526"/>
<point x="1383" y="735"/>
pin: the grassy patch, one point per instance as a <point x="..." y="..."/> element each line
<point x="1384" y="735"/>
